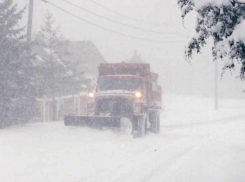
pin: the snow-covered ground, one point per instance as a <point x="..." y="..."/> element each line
<point x="196" y="144"/>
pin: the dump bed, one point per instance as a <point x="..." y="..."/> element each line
<point x="139" y="69"/>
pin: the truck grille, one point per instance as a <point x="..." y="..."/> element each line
<point x="114" y="107"/>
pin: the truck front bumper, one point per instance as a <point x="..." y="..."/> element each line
<point x="92" y="121"/>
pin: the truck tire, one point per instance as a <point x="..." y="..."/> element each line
<point x="67" y="123"/>
<point x="158" y="124"/>
<point x="142" y="125"/>
<point x="70" y="120"/>
<point x="155" y="122"/>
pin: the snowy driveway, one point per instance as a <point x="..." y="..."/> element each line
<point x="196" y="144"/>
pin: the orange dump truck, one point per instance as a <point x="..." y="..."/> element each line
<point x="124" y="91"/>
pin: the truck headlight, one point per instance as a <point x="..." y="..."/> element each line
<point x="138" y="94"/>
<point x="90" y="94"/>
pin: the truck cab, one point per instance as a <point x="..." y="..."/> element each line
<point x="118" y="95"/>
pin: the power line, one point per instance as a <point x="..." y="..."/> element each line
<point x="124" y="24"/>
<point x="123" y="15"/>
<point x="91" y="23"/>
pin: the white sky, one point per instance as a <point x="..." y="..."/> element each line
<point x="166" y="58"/>
<point x="116" y="47"/>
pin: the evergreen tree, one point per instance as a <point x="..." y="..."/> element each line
<point x="58" y="75"/>
<point x="136" y="58"/>
<point x="224" y="22"/>
<point x="17" y="97"/>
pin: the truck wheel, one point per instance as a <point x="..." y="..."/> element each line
<point x="155" y="122"/>
<point x="158" y="124"/>
<point x="67" y="121"/>
<point x="142" y="121"/>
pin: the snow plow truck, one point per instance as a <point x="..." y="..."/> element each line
<point x="124" y="92"/>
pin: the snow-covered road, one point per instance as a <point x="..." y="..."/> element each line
<point x="196" y="144"/>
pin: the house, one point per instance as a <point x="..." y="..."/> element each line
<point x="88" y="58"/>
<point x="86" y="53"/>
<point x="66" y="105"/>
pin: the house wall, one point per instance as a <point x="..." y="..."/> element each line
<point x="67" y="105"/>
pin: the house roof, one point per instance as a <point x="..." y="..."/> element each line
<point x="86" y="53"/>
<point x="83" y="52"/>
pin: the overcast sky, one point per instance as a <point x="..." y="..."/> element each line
<point x="161" y="16"/>
<point x="158" y="21"/>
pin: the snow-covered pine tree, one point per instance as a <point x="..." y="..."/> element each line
<point x="58" y="76"/>
<point x="223" y="20"/>
<point x="136" y="58"/>
<point x="17" y="89"/>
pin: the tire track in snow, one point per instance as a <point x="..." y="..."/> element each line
<point x="183" y="157"/>
<point x="131" y="161"/>
<point x="204" y="123"/>
<point x="147" y="169"/>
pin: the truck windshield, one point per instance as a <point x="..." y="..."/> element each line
<point x="119" y="83"/>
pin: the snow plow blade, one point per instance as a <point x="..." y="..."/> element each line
<point x="92" y="121"/>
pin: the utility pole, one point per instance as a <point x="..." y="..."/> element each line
<point x="30" y="17"/>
